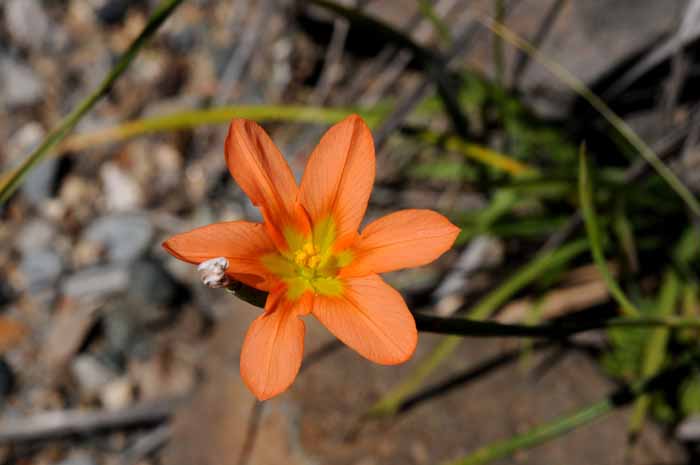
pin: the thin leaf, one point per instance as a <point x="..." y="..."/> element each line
<point x="593" y="231"/>
<point x="655" y="352"/>
<point x="12" y="182"/>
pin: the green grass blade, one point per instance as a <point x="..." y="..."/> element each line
<point x="392" y="400"/>
<point x="655" y="351"/>
<point x="12" y="182"/>
<point x="600" y="106"/>
<point x="593" y="231"/>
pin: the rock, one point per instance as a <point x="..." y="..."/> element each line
<point x="125" y="333"/>
<point x="111" y="12"/>
<point x="122" y="192"/>
<point x="40" y="183"/>
<point x="150" y="283"/>
<point x="689" y="429"/>
<point x="35" y="235"/>
<point x="41" y="269"/>
<point x="99" y="281"/>
<point x="125" y="237"/>
<point x="19" y="85"/>
<point x="117" y="394"/>
<point x="7" y="379"/>
<point x="26" y="22"/>
<point x="91" y="374"/>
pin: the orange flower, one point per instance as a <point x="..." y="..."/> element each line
<point x="309" y="256"/>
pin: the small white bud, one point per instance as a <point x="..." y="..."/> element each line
<point x="213" y="272"/>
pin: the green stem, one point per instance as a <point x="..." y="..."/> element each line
<point x="159" y="16"/>
<point x="593" y="230"/>
<point x="655" y="350"/>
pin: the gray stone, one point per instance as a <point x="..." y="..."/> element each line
<point x="26" y="22"/>
<point x="36" y="234"/>
<point x="124" y="330"/>
<point x="19" y="85"/>
<point x="39" y="184"/>
<point x="91" y="374"/>
<point x="97" y="281"/>
<point x="151" y="283"/>
<point x="125" y="237"/>
<point x="41" y="268"/>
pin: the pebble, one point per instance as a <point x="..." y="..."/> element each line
<point x="124" y="330"/>
<point x="41" y="269"/>
<point x="125" y="237"/>
<point x="117" y="394"/>
<point x="151" y="283"/>
<point x="36" y="234"/>
<point x="91" y="374"/>
<point x="689" y="429"/>
<point x="27" y="23"/>
<point x="111" y="12"/>
<point x="99" y="281"/>
<point x="122" y="192"/>
<point x="19" y="84"/>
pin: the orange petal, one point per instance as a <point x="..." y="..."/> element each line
<point x="264" y="175"/>
<point x="339" y="176"/>
<point x="372" y="318"/>
<point x="273" y="348"/>
<point x="405" y="239"/>
<point x="240" y="242"/>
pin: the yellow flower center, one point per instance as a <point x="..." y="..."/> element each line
<point x="310" y="264"/>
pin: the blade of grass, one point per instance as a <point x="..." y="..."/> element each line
<point x="623" y="230"/>
<point x="391" y="401"/>
<point x="219" y="115"/>
<point x="600" y="106"/>
<point x="12" y="182"/>
<point x="655" y="351"/>
<point x="565" y="424"/>
<point x="593" y="230"/>
<point x="479" y="153"/>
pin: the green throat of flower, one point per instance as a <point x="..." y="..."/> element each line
<point x="310" y="263"/>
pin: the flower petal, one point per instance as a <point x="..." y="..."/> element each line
<point x="264" y="175"/>
<point x="240" y="242"/>
<point x="405" y="239"/>
<point x="338" y="178"/>
<point x="273" y="348"/>
<point x="372" y="318"/>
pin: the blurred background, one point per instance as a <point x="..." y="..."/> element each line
<point x="112" y="352"/>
